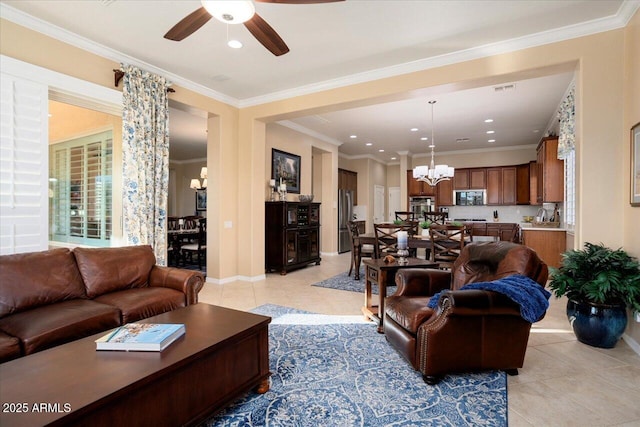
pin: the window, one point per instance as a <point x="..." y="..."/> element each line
<point x="80" y="192"/>
<point x="570" y="189"/>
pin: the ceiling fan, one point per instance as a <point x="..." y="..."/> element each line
<point x="236" y="12"/>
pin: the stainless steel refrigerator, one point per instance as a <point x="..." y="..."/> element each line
<point x="345" y="214"/>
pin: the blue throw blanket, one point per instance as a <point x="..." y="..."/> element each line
<point x="532" y="298"/>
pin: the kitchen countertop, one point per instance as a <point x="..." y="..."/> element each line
<point x="527" y="227"/>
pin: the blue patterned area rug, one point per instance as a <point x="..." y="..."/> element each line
<point x="344" y="373"/>
<point x="344" y="282"/>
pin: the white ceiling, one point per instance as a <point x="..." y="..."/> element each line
<point x="341" y="43"/>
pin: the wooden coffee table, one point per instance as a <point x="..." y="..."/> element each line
<point x="377" y="271"/>
<point x="223" y="354"/>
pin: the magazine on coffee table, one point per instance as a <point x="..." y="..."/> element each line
<point x="141" y="337"/>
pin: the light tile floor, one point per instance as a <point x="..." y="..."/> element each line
<point x="563" y="382"/>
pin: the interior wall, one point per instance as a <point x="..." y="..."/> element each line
<point x="631" y="118"/>
<point x="185" y="196"/>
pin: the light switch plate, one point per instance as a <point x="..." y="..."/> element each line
<point x="228" y="224"/>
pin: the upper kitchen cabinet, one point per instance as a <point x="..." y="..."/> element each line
<point x="417" y="188"/>
<point x="550" y="173"/>
<point x="348" y="180"/>
<point x="444" y="195"/>
<point x="501" y="186"/>
<point x="523" y="186"/>
<point x="470" y="179"/>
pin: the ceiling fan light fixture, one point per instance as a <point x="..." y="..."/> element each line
<point x="230" y="12"/>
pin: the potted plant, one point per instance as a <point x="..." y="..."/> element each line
<point x="601" y="283"/>
<point x="424" y="225"/>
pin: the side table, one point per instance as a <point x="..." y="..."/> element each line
<point x="377" y="271"/>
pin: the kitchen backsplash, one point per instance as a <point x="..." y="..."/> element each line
<point x="505" y="213"/>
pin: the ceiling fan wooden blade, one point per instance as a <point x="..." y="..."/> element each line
<point x="188" y="25"/>
<point x="266" y="35"/>
<point x="298" y="1"/>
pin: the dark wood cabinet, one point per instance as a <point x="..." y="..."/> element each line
<point x="292" y="235"/>
<point x="494" y="186"/>
<point x="523" y="190"/>
<point x="501" y="185"/>
<point x="348" y="180"/>
<point x="470" y="179"/>
<point x="444" y="196"/>
<point x="461" y="179"/>
<point x="417" y="188"/>
<point x="550" y="179"/>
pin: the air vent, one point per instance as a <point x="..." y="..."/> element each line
<point x="220" y="78"/>
<point x="462" y="140"/>
<point x="321" y="119"/>
<point x="505" y="88"/>
<point x="106" y="2"/>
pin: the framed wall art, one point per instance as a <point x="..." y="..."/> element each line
<point x="201" y="199"/>
<point x="635" y="165"/>
<point x="286" y="166"/>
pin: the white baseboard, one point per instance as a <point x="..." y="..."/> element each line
<point x="235" y="279"/>
<point x="635" y="346"/>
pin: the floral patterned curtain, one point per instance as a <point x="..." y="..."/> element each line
<point x="145" y="157"/>
<point x="566" y="116"/>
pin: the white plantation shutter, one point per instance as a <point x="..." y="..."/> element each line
<point x="23" y="165"/>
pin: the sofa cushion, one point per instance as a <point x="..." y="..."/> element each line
<point x="9" y="347"/>
<point x="35" y="279"/>
<point x="136" y="304"/>
<point x="107" y="270"/>
<point x="54" y="324"/>
<point x="408" y="312"/>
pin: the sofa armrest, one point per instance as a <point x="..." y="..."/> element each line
<point x="475" y="302"/>
<point x="186" y="281"/>
<point x="422" y="281"/>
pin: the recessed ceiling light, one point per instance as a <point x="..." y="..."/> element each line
<point x="491" y="131"/>
<point x="353" y="136"/>
<point x="424" y="138"/>
<point x="236" y="44"/>
<point x="369" y="144"/>
<point x="536" y="131"/>
<point x="381" y="150"/>
<point x="393" y="158"/>
<point x="491" y="140"/>
<point x="489" y="121"/>
<point x="432" y="146"/>
<point x="414" y="129"/>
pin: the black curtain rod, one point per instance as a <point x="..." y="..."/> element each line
<point x="119" y="74"/>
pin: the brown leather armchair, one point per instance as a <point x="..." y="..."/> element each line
<point x="469" y="330"/>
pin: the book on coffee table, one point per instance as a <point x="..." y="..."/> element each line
<point x="141" y="337"/>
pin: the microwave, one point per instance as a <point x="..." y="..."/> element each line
<point x="470" y="197"/>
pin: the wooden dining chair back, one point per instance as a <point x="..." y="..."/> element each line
<point x="358" y="250"/>
<point x="199" y="247"/>
<point x="387" y="237"/>
<point x="405" y="216"/>
<point x="447" y="242"/>
<point x="435" y="217"/>
<point x="173" y="223"/>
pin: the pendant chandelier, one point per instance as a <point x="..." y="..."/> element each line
<point x="433" y="174"/>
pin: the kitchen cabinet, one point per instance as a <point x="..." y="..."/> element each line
<point x="548" y="244"/>
<point x="550" y="179"/>
<point x="533" y="183"/>
<point x="348" y="180"/>
<point x="501" y="185"/>
<point x="292" y="235"/>
<point x="523" y="189"/>
<point x="418" y="188"/>
<point x="444" y="193"/>
<point x="470" y="179"/>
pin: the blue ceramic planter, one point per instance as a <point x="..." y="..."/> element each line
<point x="597" y="325"/>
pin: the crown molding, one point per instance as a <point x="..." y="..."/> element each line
<point x="619" y="20"/>
<point x="18" y="17"/>
<point x="479" y="150"/>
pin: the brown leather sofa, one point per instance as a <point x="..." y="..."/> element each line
<point x="52" y="297"/>
<point x="469" y="330"/>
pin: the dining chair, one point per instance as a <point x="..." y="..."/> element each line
<point x="387" y="240"/>
<point x="199" y="247"/>
<point x="405" y="216"/>
<point x="173" y="223"/>
<point x="447" y="242"/>
<point x="358" y="250"/>
<point x="435" y="217"/>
